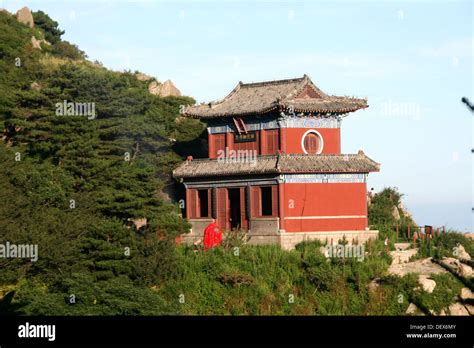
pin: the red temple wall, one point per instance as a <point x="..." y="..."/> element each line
<point x="331" y="138"/>
<point x="343" y="204"/>
<point x="289" y="141"/>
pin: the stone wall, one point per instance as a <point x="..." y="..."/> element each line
<point x="265" y="231"/>
<point x="197" y="230"/>
<point x="289" y="240"/>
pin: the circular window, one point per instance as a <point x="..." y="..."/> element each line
<point x="312" y="142"/>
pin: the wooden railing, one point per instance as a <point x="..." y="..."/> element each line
<point x="409" y="232"/>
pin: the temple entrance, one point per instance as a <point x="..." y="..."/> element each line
<point x="234" y="208"/>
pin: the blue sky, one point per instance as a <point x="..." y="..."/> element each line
<point x="412" y="60"/>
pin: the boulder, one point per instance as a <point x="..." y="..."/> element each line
<point x="457" y="309"/>
<point x="457" y="266"/>
<point x="465" y="270"/>
<point x="427" y="284"/>
<point x="461" y="253"/>
<point x="395" y="213"/>
<point x="35" y="86"/>
<point x="412" y="309"/>
<point x="324" y="251"/>
<point x="466" y="294"/>
<point x="373" y="285"/>
<point x="143" y="77"/>
<point x="469" y="308"/>
<point x="402" y="246"/>
<point x="165" y="89"/>
<point x="37" y="43"/>
<point x="139" y="223"/>
<point x="25" y="16"/>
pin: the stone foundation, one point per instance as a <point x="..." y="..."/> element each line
<point x="288" y="240"/>
<point x="265" y="231"/>
<point x="197" y="230"/>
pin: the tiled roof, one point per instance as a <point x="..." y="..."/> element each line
<point x="278" y="164"/>
<point x="298" y="95"/>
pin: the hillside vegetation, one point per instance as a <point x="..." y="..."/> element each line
<point x="72" y="184"/>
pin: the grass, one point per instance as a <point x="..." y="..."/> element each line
<point x="266" y="280"/>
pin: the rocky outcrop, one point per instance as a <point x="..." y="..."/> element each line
<point x="413" y="309"/>
<point x="143" y="77"/>
<point x="457" y="309"/>
<point x="37" y="43"/>
<point x="402" y="256"/>
<point x="424" y="266"/>
<point x="25" y="16"/>
<point x="455" y="266"/>
<point x="461" y="253"/>
<point x="426" y="283"/>
<point x="466" y="294"/>
<point x="395" y="213"/>
<point x="165" y="89"/>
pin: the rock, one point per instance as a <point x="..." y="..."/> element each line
<point x="457" y="309"/>
<point x="139" y="222"/>
<point x="324" y="251"/>
<point x="166" y="89"/>
<point x="35" y="86"/>
<point x="25" y="16"/>
<point x="37" y="43"/>
<point x="402" y="256"/>
<point x="465" y="270"/>
<point x="461" y="253"/>
<point x="143" y="77"/>
<point x="424" y="266"/>
<point x="373" y="285"/>
<point x="412" y="309"/>
<point x="469" y="308"/>
<point x="395" y="213"/>
<point x="427" y="284"/>
<point x="466" y="294"/>
<point x="402" y="246"/>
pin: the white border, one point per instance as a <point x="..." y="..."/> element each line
<point x="321" y="146"/>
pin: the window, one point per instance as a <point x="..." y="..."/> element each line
<point x="312" y="143"/>
<point x="203" y="203"/>
<point x="266" y="207"/>
<point x="273" y="141"/>
<point x="219" y="143"/>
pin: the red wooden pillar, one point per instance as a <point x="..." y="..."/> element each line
<point x="222" y="211"/>
<point x="229" y="140"/>
<point x="275" y="200"/>
<point x="256" y="201"/>
<point x="281" y="201"/>
<point x="408" y="231"/>
<point x="283" y="140"/>
<point x="209" y="203"/>
<point x="263" y="148"/>
<point x="191" y="204"/>
<point x="397" y="232"/>
<point x="187" y="204"/>
<point x="243" y="215"/>
<point x="211" y="145"/>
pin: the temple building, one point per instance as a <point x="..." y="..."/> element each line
<point x="275" y="167"/>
